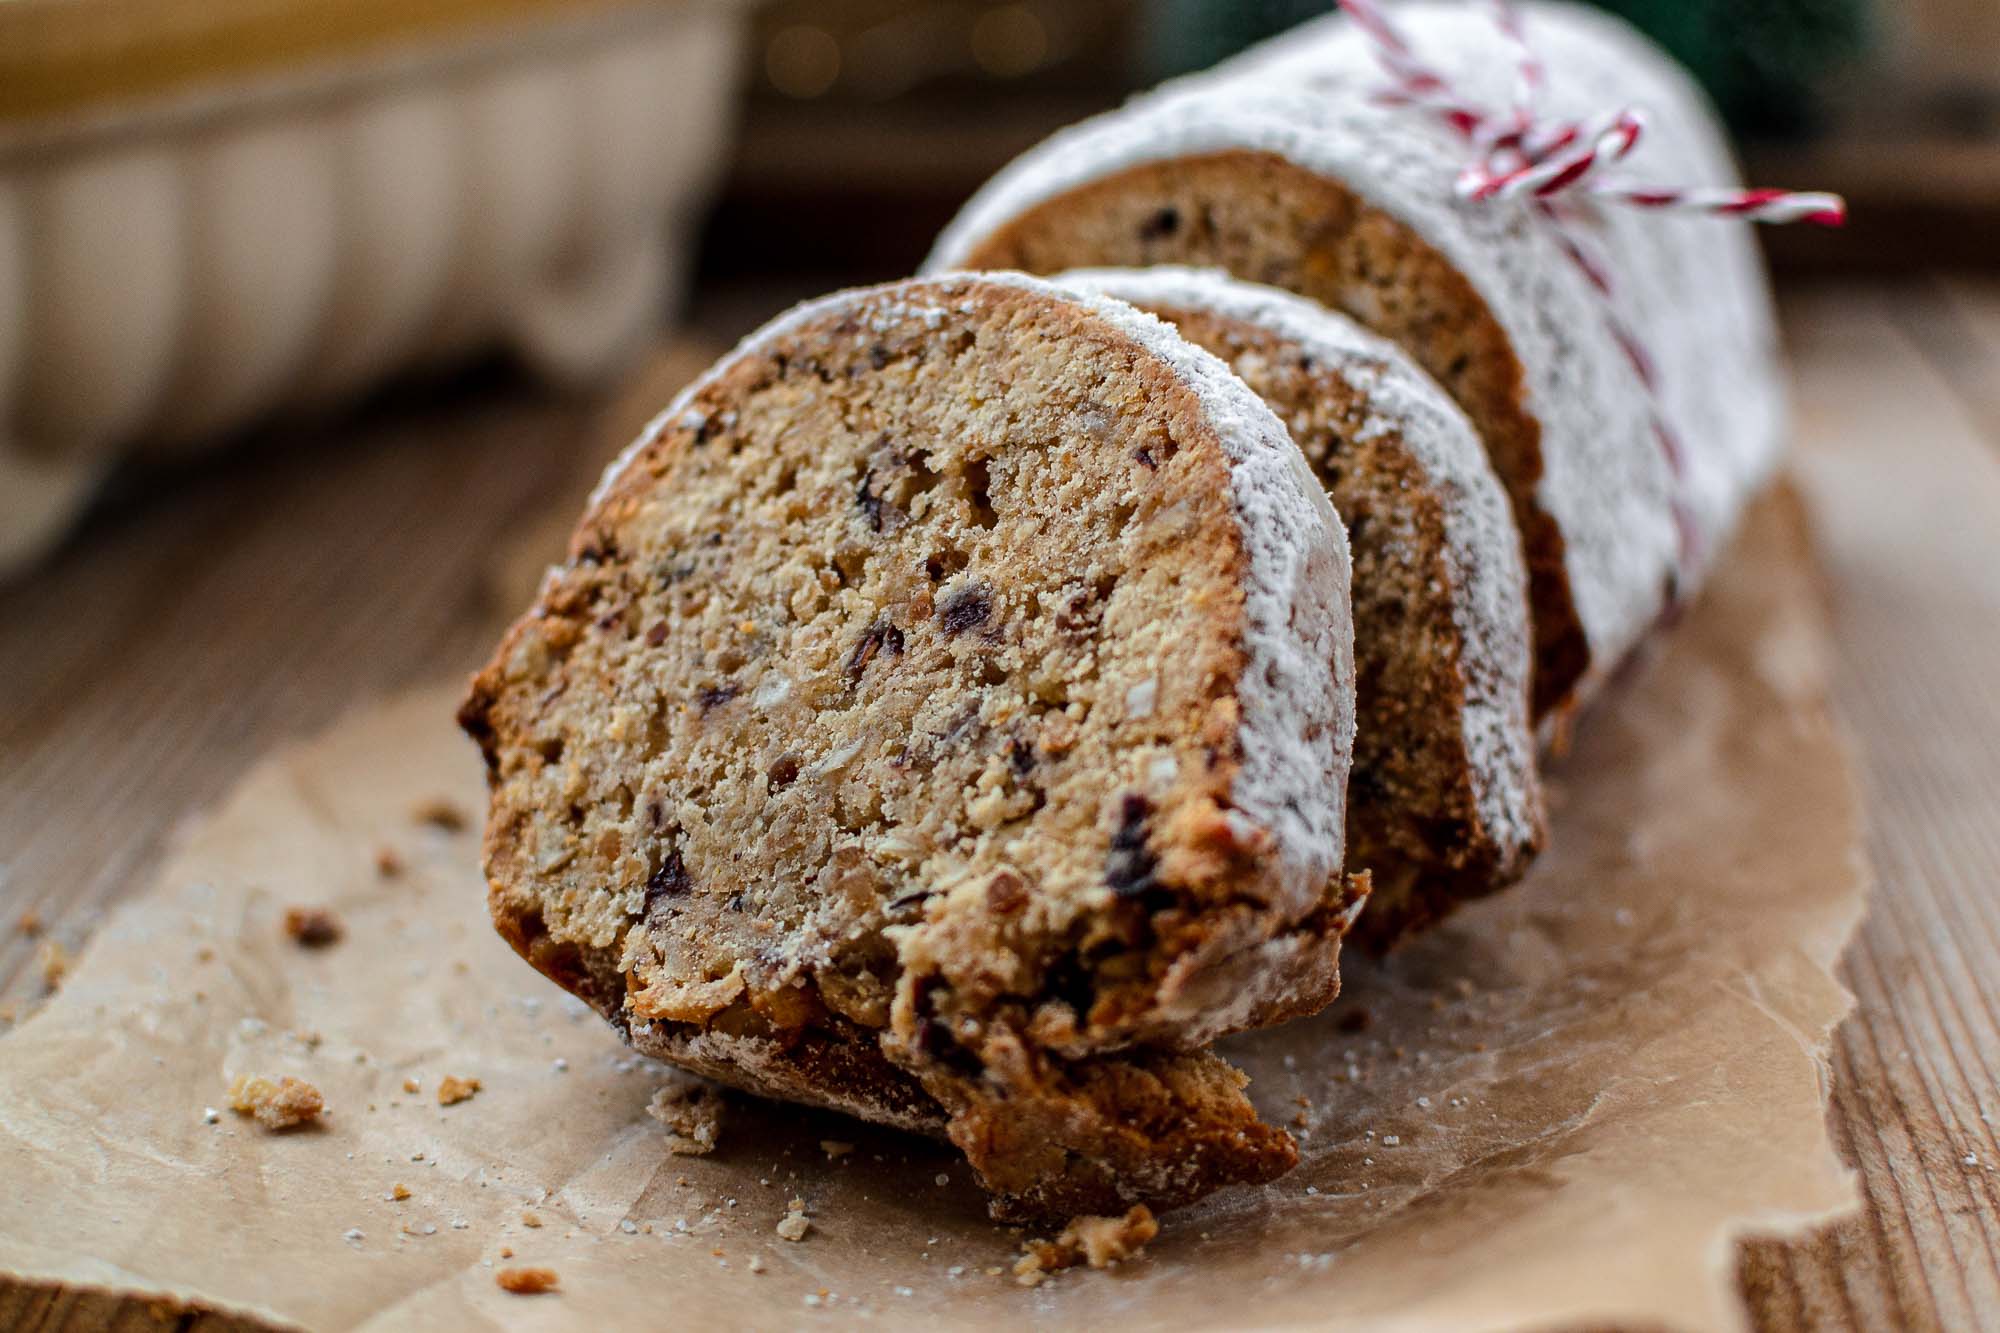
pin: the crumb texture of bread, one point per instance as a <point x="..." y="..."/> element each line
<point x="946" y="703"/>
<point x="1285" y="167"/>
<point x="1444" y="798"/>
<point x="275" y="1103"/>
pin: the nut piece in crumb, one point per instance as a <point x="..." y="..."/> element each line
<point x="313" y="927"/>
<point x="793" y="1225"/>
<point x="53" y="960"/>
<point x="527" y="1281"/>
<point x="1097" y="1241"/>
<point x="398" y="1193"/>
<point x="280" y="1103"/>
<point x="692" y="1112"/>
<point x="439" y="813"/>
<point x="452" y="1089"/>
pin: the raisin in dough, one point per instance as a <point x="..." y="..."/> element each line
<point x="1284" y="166"/>
<point x="1444" y="802"/>
<point x="944" y="716"/>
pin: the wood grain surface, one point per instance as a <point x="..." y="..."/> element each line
<point x="185" y="632"/>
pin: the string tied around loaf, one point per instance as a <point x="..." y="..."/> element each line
<point x="1557" y="167"/>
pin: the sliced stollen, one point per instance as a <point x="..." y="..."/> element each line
<point x="1444" y="801"/>
<point x="944" y="716"/>
<point x="1287" y="167"/>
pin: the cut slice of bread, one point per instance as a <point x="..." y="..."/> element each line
<point x="1444" y="802"/>
<point x="1621" y="367"/>
<point x="944" y="715"/>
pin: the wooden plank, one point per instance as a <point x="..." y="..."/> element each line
<point x="1905" y="488"/>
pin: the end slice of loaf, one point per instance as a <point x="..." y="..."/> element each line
<point x="944" y="716"/>
<point x="1628" y="427"/>
<point x="1444" y="801"/>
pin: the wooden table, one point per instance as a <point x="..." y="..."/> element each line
<point x="252" y="602"/>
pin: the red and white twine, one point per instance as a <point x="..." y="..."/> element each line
<point x="1554" y="165"/>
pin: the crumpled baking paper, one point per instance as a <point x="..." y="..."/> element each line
<point x="1560" y="1108"/>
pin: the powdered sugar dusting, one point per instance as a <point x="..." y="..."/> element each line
<point x="1309" y="97"/>
<point x="1482" y="547"/>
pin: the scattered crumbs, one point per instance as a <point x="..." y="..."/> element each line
<point x="387" y="863"/>
<point x="1391" y="1140"/>
<point x="943" y="1180"/>
<point x="1097" y="1241"/>
<point x="1424" y="1102"/>
<point x="835" y="1149"/>
<point x="397" y="1193"/>
<point x="506" y="1251"/>
<point x="1972" y="1159"/>
<point x="526" y="1281"/>
<point x="813" y="1298"/>
<point x="280" y="1103"/>
<point x="904" y="1291"/>
<point x="459" y="1224"/>
<point x="53" y="960"/>
<point x="412" y="1084"/>
<point x="628" y="1226"/>
<point x="352" y="1235"/>
<point x="452" y="1089"/>
<point x="313" y="927"/>
<point x="692" y="1112"/>
<point x="442" y="813"/>
<point x="956" y="1270"/>
<point x="29" y="923"/>
<point x="209" y="1115"/>
<point x="560" y="1065"/>
<point x="531" y="1219"/>
<point x="756" y="1263"/>
<point x="793" y="1225"/>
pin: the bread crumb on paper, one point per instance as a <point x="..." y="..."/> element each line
<point x="1097" y="1241"/>
<point x="440" y="813"/>
<point x="452" y="1089"/>
<point x="280" y="1103"/>
<point x="313" y="927"/>
<point x="692" y="1112"/>
<point x="531" y="1220"/>
<point x="53" y="960"/>
<point x="794" y="1225"/>
<point x="527" y="1281"/>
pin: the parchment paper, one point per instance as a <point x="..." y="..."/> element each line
<point x="1561" y="1108"/>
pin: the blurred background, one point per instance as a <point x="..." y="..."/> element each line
<point x="222" y="215"/>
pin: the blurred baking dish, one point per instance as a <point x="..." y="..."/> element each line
<point x="211" y="211"/>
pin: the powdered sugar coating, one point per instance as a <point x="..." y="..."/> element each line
<point x="1309" y="97"/>
<point x="1296" y="716"/>
<point x="1482" y="548"/>
<point x="1716" y="358"/>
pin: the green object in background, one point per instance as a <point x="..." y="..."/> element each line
<point x="1761" y="60"/>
